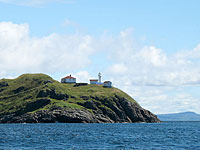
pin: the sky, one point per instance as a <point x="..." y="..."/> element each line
<point x="149" y="49"/>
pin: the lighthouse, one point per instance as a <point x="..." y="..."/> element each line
<point x="99" y="75"/>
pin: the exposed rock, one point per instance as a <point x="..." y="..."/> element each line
<point x="1" y="90"/>
<point x="80" y="84"/>
<point x="121" y="111"/>
<point x="48" y="81"/>
<point x="37" y="98"/>
<point x="84" y="97"/>
<point x="90" y="105"/>
<point x="52" y="94"/>
<point x="31" y="106"/>
<point x="3" y="84"/>
<point x="19" y="89"/>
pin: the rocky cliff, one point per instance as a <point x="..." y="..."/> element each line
<point x="37" y="98"/>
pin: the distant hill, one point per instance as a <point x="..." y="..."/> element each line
<point x="184" y="116"/>
<point x="37" y="98"/>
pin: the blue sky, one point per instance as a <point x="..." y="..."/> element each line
<point x="166" y="24"/>
<point x="150" y="49"/>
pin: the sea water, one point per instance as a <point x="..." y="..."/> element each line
<point x="63" y="136"/>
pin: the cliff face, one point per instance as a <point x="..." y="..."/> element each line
<point x="37" y="98"/>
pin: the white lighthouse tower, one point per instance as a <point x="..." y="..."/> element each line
<point x="99" y="75"/>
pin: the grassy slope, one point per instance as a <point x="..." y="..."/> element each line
<point x="25" y="88"/>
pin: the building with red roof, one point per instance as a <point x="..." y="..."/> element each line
<point x="68" y="79"/>
<point x="93" y="81"/>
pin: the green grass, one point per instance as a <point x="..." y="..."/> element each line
<point x="25" y="88"/>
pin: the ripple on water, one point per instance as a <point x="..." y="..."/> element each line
<point x="171" y="135"/>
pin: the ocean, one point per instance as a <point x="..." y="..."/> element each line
<point x="64" y="136"/>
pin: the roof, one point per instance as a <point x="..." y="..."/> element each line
<point x="69" y="77"/>
<point x="107" y="81"/>
<point x="93" y="79"/>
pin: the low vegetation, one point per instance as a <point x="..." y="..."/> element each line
<point x="33" y="92"/>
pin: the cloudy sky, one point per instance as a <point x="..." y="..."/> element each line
<point x="149" y="49"/>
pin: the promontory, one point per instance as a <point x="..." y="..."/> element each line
<point x="37" y="98"/>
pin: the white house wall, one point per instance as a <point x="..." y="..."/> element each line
<point x="93" y="82"/>
<point x="68" y="81"/>
<point x="108" y="84"/>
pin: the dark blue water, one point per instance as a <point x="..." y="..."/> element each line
<point x="172" y="135"/>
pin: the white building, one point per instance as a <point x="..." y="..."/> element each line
<point x="93" y="81"/>
<point x="96" y="81"/>
<point x="107" y="84"/>
<point x="99" y="75"/>
<point x="68" y="79"/>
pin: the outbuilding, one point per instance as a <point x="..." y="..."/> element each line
<point x="93" y="81"/>
<point x="107" y="84"/>
<point x="68" y="79"/>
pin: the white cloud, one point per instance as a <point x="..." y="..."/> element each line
<point x="153" y="56"/>
<point x="148" y="65"/>
<point x="118" y="69"/>
<point x="156" y="80"/>
<point x="83" y="76"/>
<point x="21" y="53"/>
<point x="189" y="54"/>
<point x="161" y="100"/>
<point x="149" y="75"/>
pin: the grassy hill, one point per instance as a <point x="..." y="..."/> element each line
<point x="27" y="88"/>
<point x="32" y="93"/>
